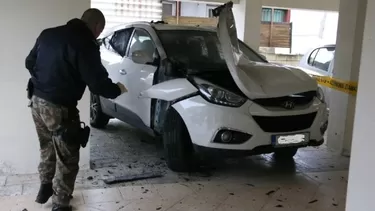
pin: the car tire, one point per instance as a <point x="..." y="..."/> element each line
<point x="177" y="143"/>
<point x="98" y="119"/>
<point x="286" y="153"/>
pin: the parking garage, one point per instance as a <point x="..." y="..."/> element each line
<point x="321" y="174"/>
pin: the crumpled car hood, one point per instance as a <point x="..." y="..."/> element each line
<point x="257" y="79"/>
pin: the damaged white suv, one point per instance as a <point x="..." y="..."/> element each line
<point x="203" y="90"/>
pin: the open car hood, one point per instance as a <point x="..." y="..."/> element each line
<point x="257" y="79"/>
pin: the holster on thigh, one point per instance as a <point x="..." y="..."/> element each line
<point x="74" y="131"/>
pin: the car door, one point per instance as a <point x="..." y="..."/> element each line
<point x="113" y="49"/>
<point x="321" y="60"/>
<point x="138" y="76"/>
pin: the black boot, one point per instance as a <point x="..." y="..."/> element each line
<point x="56" y="207"/>
<point x="45" y="192"/>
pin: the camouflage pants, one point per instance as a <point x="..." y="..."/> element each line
<point x="58" y="160"/>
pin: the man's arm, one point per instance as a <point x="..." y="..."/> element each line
<point x="94" y="74"/>
<point x="31" y="58"/>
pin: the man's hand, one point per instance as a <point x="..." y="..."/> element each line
<point x="122" y="88"/>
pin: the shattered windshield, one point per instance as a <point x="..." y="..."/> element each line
<point x="199" y="50"/>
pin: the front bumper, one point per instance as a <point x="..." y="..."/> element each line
<point x="204" y="120"/>
<point x="215" y="152"/>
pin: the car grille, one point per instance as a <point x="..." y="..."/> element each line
<point x="300" y="99"/>
<point x="285" y="123"/>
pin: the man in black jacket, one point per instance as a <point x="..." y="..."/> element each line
<point x="62" y="62"/>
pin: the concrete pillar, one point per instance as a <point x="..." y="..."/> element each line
<point x="346" y="67"/>
<point x="360" y="195"/>
<point x="248" y="14"/>
<point x="21" y="23"/>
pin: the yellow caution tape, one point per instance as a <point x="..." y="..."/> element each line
<point x="349" y="87"/>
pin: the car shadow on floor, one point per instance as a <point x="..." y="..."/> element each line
<point x="121" y="150"/>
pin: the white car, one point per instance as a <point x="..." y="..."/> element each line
<point x="204" y="91"/>
<point x="319" y="61"/>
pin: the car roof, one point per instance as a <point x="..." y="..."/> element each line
<point x="160" y="26"/>
<point x="180" y="27"/>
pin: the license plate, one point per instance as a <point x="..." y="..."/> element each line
<point x="292" y="139"/>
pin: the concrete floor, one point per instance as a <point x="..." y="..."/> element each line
<point x="316" y="180"/>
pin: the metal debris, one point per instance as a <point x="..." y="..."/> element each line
<point x="132" y="177"/>
<point x="270" y="192"/>
<point x="313" y="201"/>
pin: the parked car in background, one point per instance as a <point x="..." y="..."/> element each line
<point x="205" y="92"/>
<point x="319" y="61"/>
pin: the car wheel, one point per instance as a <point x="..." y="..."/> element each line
<point x="98" y="119"/>
<point x="177" y="143"/>
<point x="286" y="153"/>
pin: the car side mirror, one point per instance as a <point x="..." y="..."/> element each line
<point x="141" y="57"/>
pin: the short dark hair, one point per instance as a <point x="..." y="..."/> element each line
<point x="93" y="16"/>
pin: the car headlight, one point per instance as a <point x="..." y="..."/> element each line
<point x="218" y="95"/>
<point x="320" y="94"/>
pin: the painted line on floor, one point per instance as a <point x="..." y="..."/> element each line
<point x="349" y="87"/>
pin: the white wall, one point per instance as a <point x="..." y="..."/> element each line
<point x="312" y="29"/>
<point x="247" y="15"/>
<point x="21" y="22"/>
<point x="361" y="184"/>
<point x="192" y="9"/>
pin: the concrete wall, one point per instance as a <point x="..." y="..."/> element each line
<point x="312" y="29"/>
<point x="193" y="9"/>
<point x="21" y="23"/>
<point x="283" y="58"/>
<point x="361" y="184"/>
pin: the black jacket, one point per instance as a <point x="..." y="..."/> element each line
<point x="63" y="61"/>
